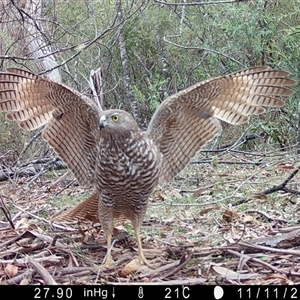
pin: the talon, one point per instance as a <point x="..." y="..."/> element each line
<point x="142" y="258"/>
<point x="109" y="261"/>
<point x="145" y="261"/>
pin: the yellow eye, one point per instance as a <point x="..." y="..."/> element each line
<point x="115" y="118"/>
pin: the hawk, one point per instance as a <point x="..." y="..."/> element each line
<point x="107" y="149"/>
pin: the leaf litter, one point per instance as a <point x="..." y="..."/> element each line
<point x="212" y="225"/>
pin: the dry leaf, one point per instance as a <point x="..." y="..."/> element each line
<point x="131" y="267"/>
<point x="247" y="218"/>
<point x="11" y="270"/>
<point x="277" y="276"/>
<point x="231" y="275"/>
<point x="35" y="227"/>
<point x="195" y="231"/>
<point x="201" y="192"/>
<point x="208" y="209"/>
<point x="22" y="224"/>
<point x="224" y="272"/>
<point x="229" y="215"/>
<point x="285" y="167"/>
<point x="172" y="193"/>
<point x="277" y="279"/>
<point x="25" y="281"/>
<point x="258" y="196"/>
<point x="224" y="174"/>
<point x="159" y="195"/>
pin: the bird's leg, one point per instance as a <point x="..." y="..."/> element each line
<point x="109" y="260"/>
<point x="142" y="258"/>
<point x="106" y="221"/>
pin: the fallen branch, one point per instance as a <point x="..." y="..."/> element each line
<point x="183" y="261"/>
<point x="273" y="243"/>
<point x="248" y="246"/>
<point x="270" y="218"/>
<point x="17" y="279"/>
<point x="6" y="212"/>
<point x="48" y="279"/>
<point x="43" y="237"/>
<point x="263" y="263"/>
<point x="27" y="145"/>
<point x="282" y="241"/>
<point x="74" y="270"/>
<point x="160" y="269"/>
<point x="282" y="186"/>
<point x="22" y="262"/>
<point x="226" y="162"/>
<point x="31" y="168"/>
<point x="32" y="215"/>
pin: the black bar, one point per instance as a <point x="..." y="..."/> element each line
<point x="147" y="291"/>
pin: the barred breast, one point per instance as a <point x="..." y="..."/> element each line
<point x="127" y="171"/>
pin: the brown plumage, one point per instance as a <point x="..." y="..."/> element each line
<point x="107" y="150"/>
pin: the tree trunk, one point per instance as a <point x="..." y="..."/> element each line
<point x="37" y="45"/>
<point x="22" y="30"/>
<point x="96" y="86"/>
<point x="165" y="67"/>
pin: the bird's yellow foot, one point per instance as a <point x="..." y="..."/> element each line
<point x="142" y="259"/>
<point x="108" y="262"/>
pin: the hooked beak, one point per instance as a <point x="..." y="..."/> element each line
<point x="103" y="122"/>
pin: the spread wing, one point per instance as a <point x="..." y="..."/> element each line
<point x="184" y="122"/>
<point x="70" y="119"/>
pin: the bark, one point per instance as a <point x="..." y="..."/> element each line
<point x="22" y="31"/>
<point x="96" y="86"/>
<point x="165" y="67"/>
<point x="37" y="45"/>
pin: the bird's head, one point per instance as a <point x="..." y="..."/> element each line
<point x="117" y="122"/>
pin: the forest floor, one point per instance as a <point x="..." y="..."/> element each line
<point x="216" y="223"/>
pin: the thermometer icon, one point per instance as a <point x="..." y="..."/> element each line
<point x="141" y="293"/>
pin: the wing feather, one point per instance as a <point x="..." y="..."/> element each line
<point x="184" y="122"/>
<point x="71" y="119"/>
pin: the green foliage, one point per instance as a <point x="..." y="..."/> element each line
<point x="197" y="42"/>
<point x="67" y="201"/>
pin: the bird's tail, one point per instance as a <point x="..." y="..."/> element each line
<point x="86" y="210"/>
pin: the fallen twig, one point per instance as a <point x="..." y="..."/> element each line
<point x="258" y="247"/>
<point x="282" y="241"/>
<point x="183" y="261"/>
<point x="282" y="186"/>
<point x="225" y="162"/>
<point x="48" y="279"/>
<point x="22" y="262"/>
<point x="160" y="269"/>
<point x="6" y="212"/>
<point x="190" y="281"/>
<point x="261" y="262"/>
<point x="42" y="237"/>
<point x="266" y="215"/>
<point x="32" y="215"/>
<point x="17" y="279"/>
<point x="74" y="270"/>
